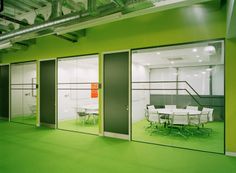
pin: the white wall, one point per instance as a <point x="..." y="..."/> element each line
<point x="218" y="80"/>
<point x="76" y="70"/>
<point x="140" y="98"/>
<point x="163" y="74"/>
<point x="197" y="77"/>
<point x="22" y="100"/>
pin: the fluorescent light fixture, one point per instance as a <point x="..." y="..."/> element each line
<point x="162" y="3"/>
<point x="208" y="69"/>
<point x="172" y="62"/>
<point x="194" y="50"/>
<point x="5" y="45"/>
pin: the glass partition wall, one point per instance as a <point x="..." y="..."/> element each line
<point x="78" y="94"/>
<point x="23" y="93"/>
<point x="178" y="96"/>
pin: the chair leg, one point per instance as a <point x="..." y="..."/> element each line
<point x="94" y="121"/>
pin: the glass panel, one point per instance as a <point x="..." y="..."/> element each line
<point x="78" y="94"/>
<point x="218" y="80"/>
<point x="197" y="78"/>
<point x="178" y="96"/>
<point x="23" y="93"/>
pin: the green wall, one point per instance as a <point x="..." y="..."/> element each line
<point x="230" y="91"/>
<point x="195" y="23"/>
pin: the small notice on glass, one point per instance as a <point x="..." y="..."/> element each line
<point x="94" y="90"/>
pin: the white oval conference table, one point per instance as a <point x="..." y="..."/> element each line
<point x="172" y="111"/>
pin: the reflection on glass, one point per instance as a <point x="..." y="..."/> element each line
<point x="178" y="96"/>
<point x="23" y="93"/>
<point x="78" y="94"/>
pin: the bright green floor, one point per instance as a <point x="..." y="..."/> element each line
<point x="213" y="143"/>
<point x="87" y="127"/>
<point x="26" y="119"/>
<point x="27" y="149"/>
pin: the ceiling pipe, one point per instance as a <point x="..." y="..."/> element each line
<point x="39" y="27"/>
<point x="77" y="19"/>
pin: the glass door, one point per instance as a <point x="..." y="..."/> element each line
<point x="23" y="93"/>
<point x="78" y="108"/>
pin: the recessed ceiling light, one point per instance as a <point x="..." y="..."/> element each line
<point x="158" y="53"/>
<point x="172" y="62"/>
<point x="199" y="60"/>
<point x="148" y="64"/>
<point x="203" y="72"/>
<point x="194" y="49"/>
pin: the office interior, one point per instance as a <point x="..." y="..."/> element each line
<point x="118" y="86"/>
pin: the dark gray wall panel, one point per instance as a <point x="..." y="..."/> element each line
<point x="116" y="78"/>
<point x="4" y="91"/>
<point x="47" y="92"/>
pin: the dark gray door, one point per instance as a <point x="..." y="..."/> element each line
<point x="116" y="87"/>
<point x="47" y="92"/>
<point x="4" y="91"/>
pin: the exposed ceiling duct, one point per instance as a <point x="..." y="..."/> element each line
<point x="86" y="15"/>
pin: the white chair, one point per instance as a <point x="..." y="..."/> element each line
<point x="210" y="110"/>
<point x="151" y="107"/>
<point x="152" y="114"/>
<point x="153" y="117"/>
<point x="170" y="107"/>
<point x="81" y="114"/>
<point x="193" y="108"/>
<point x="204" y="117"/>
<point x="32" y="109"/>
<point x="180" y="120"/>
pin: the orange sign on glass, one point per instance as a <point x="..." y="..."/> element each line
<point x="94" y="90"/>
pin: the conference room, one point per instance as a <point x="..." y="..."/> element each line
<point x="78" y="94"/>
<point x="178" y="95"/>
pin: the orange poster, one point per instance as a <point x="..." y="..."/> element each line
<point x="94" y="90"/>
